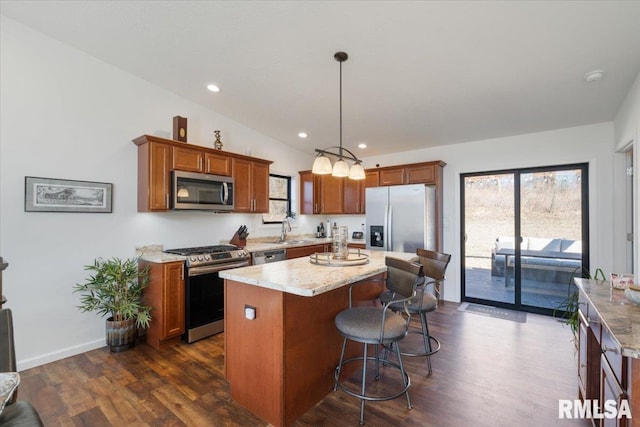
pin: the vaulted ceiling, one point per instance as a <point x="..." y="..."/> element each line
<point x="419" y="74"/>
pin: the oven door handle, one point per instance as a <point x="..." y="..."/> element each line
<point x="199" y="271"/>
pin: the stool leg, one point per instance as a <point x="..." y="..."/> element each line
<point x="427" y="341"/>
<point x="405" y="378"/>
<point x="364" y="381"/>
<point x="377" y="362"/>
<point x="339" y="367"/>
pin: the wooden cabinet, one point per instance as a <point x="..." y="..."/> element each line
<point x="157" y="157"/>
<point x="309" y="193"/>
<point x="325" y="194"/>
<point x="357" y="245"/>
<point x="302" y="251"/>
<point x="154" y="175"/>
<point x="353" y="196"/>
<point x="395" y="176"/>
<point x="416" y="173"/>
<point x="421" y="174"/>
<point x="188" y="159"/>
<point x="331" y="194"/>
<point x="371" y="178"/>
<point x="217" y="164"/>
<point x="251" y="185"/>
<point x="166" y="295"/>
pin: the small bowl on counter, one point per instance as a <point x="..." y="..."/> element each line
<point x="633" y="293"/>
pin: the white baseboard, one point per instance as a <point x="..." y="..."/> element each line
<point x="60" y="354"/>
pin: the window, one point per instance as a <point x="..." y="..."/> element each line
<point x="279" y="199"/>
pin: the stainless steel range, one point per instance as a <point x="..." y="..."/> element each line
<point x="204" y="299"/>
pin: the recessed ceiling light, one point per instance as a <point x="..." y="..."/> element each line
<point x="362" y="145"/>
<point x="593" y="76"/>
<point x="213" y="88"/>
<point x="302" y="134"/>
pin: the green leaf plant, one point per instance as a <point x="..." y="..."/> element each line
<point x="568" y="308"/>
<point x="114" y="287"/>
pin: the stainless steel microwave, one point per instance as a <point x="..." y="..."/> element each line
<point x="201" y="191"/>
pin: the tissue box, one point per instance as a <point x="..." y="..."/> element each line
<point x="621" y="281"/>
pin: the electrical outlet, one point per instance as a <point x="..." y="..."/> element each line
<point x="249" y="312"/>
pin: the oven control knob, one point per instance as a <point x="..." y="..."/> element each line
<point x="200" y="258"/>
<point x="206" y="257"/>
<point x="193" y="259"/>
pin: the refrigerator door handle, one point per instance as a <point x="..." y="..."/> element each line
<point x="389" y="242"/>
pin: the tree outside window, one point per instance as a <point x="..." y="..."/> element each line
<point x="279" y="199"/>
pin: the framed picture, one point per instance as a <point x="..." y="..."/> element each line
<point x="64" y="195"/>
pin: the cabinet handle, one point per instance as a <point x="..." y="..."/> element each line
<point x="167" y="200"/>
<point x="315" y="208"/>
<point x="613" y="350"/>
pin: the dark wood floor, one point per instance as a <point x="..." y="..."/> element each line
<point x="489" y="372"/>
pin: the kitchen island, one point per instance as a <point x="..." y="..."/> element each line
<point x="281" y="343"/>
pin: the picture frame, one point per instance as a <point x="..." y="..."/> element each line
<point x="66" y="195"/>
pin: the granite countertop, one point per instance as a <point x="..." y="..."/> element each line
<point x="254" y="246"/>
<point x="300" y="277"/>
<point x="153" y="253"/>
<point x="619" y="315"/>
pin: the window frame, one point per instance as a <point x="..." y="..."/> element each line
<point x="288" y="199"/>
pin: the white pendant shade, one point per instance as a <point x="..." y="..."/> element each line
<point x="183" y="192"/>
<point x="340" y="169"/>
<point x="356" y="172"/>
<point x="322" y="165"/>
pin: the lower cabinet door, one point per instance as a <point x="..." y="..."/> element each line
<point x="612" y="396"/>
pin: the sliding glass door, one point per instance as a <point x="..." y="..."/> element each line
<point x="525" y="236"/>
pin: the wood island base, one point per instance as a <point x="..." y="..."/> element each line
<point x="281" y="363"/>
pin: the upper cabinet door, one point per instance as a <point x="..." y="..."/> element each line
<point x="188" y="159"/>
<point x="260" y="187"/>
<point x="217" y="164"/>
<point x="154" y="175"/>
<point x="331" y="194"/>
<point x="372" y="179"/>
<point x="241" y="169"/>
<point x="421" y="174"/>
<point x="353" y="196"/>
<point x="392" y="177"/>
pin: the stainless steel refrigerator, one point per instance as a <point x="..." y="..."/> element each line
<point x="401" y="218"/>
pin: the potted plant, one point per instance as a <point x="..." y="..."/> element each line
<point x="114" y="287"/>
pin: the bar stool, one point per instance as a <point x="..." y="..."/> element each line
<point x="434" y="265"/>
<point x="379" y="326"/>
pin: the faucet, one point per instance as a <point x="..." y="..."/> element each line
<point x="283" y="233"/>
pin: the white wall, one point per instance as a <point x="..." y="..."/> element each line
<point x="590" y="144"/>
<point x="67" y="115"/>
<point x="627" y="133"/>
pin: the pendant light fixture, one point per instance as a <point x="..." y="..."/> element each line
<point x="322" y="163"/>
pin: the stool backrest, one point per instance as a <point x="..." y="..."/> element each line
<point x="434" y="264"/>
<point x="402" y="276"/>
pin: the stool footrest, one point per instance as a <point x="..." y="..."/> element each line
<point x="434" y="347"/>
<point x="366" y="397"/>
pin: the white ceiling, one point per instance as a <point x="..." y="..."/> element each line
<point x="419" y="74"/>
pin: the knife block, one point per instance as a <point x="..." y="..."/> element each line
<point x="235" y="240"/>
